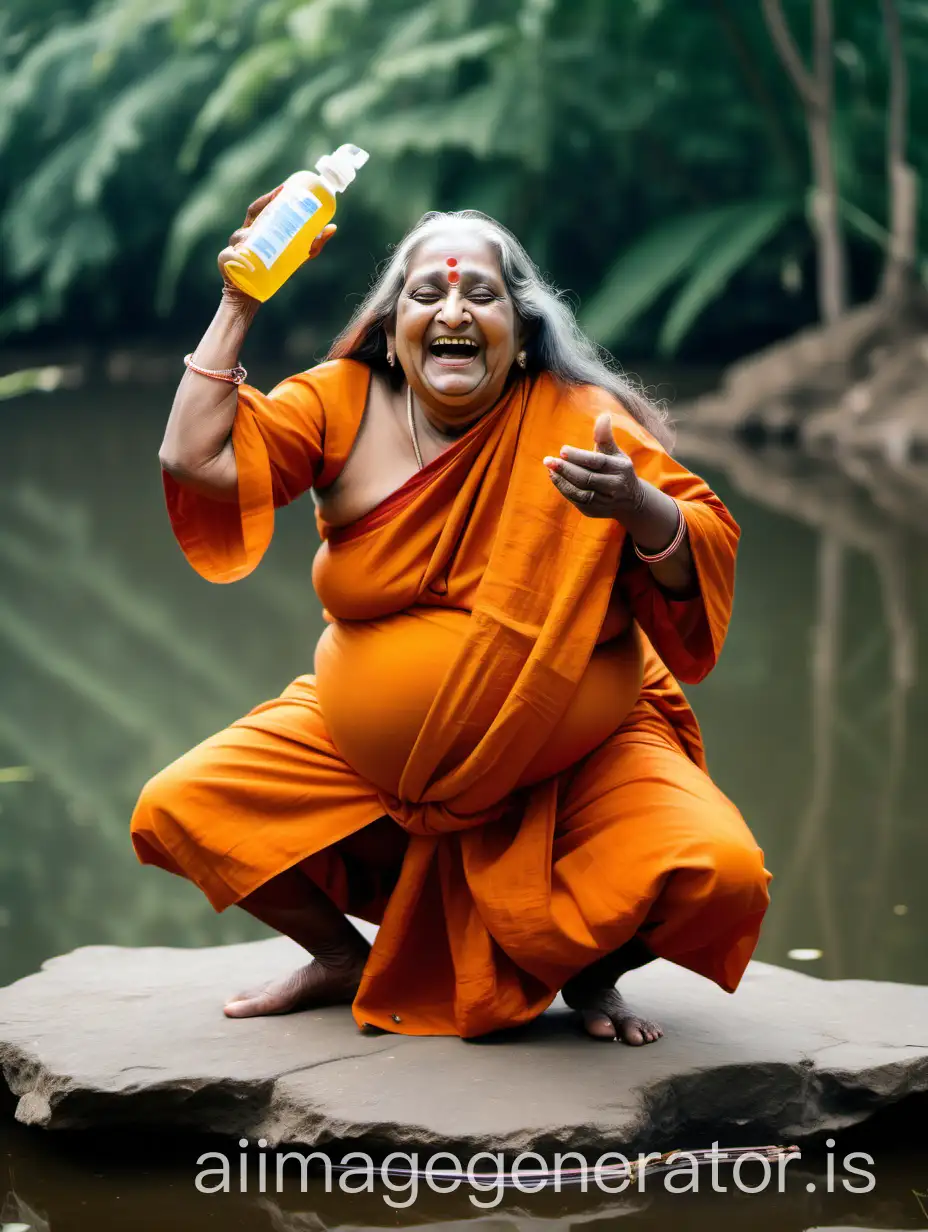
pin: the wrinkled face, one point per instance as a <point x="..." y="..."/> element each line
<point x="457" y="332"/>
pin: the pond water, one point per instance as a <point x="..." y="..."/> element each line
<point x="115" y="658"/>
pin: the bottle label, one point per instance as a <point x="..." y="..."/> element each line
<point x="283" y="219"/>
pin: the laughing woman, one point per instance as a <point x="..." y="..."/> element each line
<point x="492" y="759"/>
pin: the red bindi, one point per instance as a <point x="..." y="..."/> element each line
<point x="452" y="261"/>
<point x="454" y="277"/>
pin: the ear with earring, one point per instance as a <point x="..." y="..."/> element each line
<point x="521" y="359"/>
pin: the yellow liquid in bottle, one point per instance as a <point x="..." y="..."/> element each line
<point x="281" y="236"/>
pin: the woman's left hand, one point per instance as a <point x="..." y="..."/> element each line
<point x="601" y="481"/>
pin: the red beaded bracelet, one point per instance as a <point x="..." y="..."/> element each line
<point x="234" y="376"/>
<point x="653" y="558"/>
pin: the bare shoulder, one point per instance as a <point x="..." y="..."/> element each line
<point x="378" y="462"/>
<point x="383" y="406"/>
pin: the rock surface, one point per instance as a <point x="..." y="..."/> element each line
<point x="110" y="1037"/>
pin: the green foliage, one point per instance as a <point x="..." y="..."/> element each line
<point x="648" y="153"/>
<point x="14" y="385"/>
<point x="749" y="228"/>
<point x="706" y="247"/>
<point x="655" y="263"/>
<point x="235" y="97"/>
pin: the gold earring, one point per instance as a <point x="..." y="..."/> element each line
<point x="391" y="359"/>
<point x="521" y="359"/>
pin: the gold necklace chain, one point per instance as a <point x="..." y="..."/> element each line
<point x="412" y="426"/>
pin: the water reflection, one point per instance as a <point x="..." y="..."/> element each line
<point x="108" y="1198"/>
<point x="18" y="1216"/>
<point x="860" y="678"/>
<point x="116" y="658"/>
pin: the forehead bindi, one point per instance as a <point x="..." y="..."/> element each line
<point x="457" y="256"/>
<point x="462" y="271"/>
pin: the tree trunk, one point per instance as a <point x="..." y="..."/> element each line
<point x="816" y="92"/>
<point x="826" y="207"/>
<point x="902" y="181"/>
<point x="826" y="223"/>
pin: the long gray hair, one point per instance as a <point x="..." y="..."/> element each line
<point x="555" y="342"/>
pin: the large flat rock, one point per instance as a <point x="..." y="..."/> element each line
<point x="110" y="1037"/>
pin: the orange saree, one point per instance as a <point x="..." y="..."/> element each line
<point x="492" y="759"/>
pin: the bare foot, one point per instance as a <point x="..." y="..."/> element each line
<point x="306" y="988"/>
<point x="606" y="1016"/>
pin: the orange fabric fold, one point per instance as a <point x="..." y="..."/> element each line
<point x="285" y="442"/>
<point x="490" y="912"/>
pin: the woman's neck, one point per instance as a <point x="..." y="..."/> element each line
<point x="441" y="429"/>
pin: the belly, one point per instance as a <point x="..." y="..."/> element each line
<point x="376" y="681"/>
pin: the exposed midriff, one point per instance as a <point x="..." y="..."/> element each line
<point x="376" y="680"/>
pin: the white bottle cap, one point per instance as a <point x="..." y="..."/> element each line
<point x="340" y="168"/>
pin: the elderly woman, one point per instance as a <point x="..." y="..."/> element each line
<point x="493" y="759"/>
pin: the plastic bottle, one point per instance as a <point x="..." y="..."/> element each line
<point x="281" y="236"/>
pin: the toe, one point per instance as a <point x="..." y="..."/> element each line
<point x="631" y="1031"/>
<point x="242" y="1007"/>
<point x="253" y="1004"/>
<point x="637" y="1031"/>
<point x="598" y="1025"/>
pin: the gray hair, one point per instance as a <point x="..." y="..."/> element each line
<point x="555" y="342"/>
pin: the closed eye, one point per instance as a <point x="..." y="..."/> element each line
<point x="429" y="295"/>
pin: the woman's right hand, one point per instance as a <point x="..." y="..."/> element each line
<point x="230" y="291"/>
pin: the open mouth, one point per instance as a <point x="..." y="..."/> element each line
<point x="453" y="351"/>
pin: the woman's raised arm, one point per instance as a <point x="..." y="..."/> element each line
<point x="197" y="447"/>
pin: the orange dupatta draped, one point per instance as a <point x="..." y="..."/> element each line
<point x="475" y="934"/>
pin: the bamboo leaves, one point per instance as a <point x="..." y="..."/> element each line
<point x="240" y="93"/>
<point x="43" y="204"/>
<point x="243" y="169"/>
<point x="638" y="149"/>
<point x="649" y="268"/>
<point x="129" y="121"/>
<point x="729" y="250"/>
<point x="441" y="57"/>
<point x="704" y="248"/>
